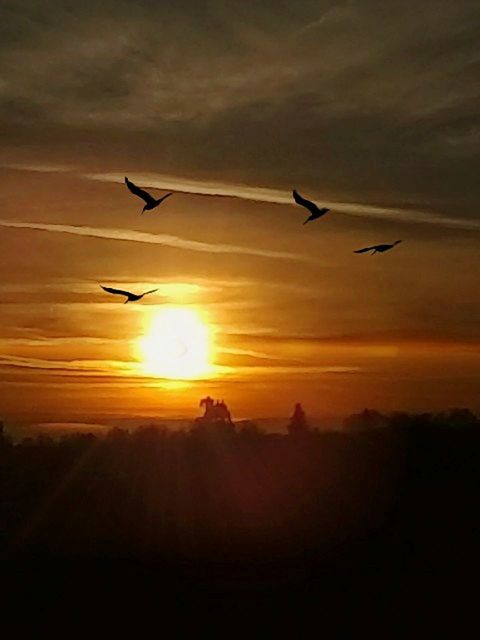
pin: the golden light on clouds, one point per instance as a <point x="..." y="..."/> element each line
<point x="178" y="345"/>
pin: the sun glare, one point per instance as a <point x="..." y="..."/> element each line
<point x="177" y="345"/>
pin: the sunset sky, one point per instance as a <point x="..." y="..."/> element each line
<point x="367" y="107"/>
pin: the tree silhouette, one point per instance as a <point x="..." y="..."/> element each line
<point x="298" y="424"/>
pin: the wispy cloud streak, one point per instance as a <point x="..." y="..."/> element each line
<point x="277" y="196"/>
<point x="99" y="367"/>
<point x="166" y="240"/>
<point x="264" y="194"/>
<point x="121" y="369"/>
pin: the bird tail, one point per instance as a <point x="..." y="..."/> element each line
<point x="307" y="220"/>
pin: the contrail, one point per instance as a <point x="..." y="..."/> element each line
<point x="267" y="195"/>
<point x="278" y="196"/>
<point x="165" y="240"/>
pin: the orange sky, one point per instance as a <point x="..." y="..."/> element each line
<point x="296" y="315"/>
<point x="309" y="321"/>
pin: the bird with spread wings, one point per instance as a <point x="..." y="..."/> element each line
<point x="315" y="212"/>
<point x="378" y="248"/>
<point x="131" y="297"/>
<point x="150" y="201"/>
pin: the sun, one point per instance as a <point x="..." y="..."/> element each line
<point x="177" y="345"/>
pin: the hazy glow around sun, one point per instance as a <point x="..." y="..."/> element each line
<point x="177" y="345"/>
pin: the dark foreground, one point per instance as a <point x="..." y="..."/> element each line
<point x="375" y="529"/>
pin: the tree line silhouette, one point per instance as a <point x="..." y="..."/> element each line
<point x="154" y="490"/>
<point x="390" y="502"/>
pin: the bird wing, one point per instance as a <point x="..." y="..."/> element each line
<point x="164" y="197"/>
<point x="311" y="206"/>
<point x="139" y="192"/>
<point x="116" y="291"/>
<point x="151" y="291"/>
<point x="365" y="250"/>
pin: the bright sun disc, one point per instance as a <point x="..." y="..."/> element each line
<point x="177" y="345"/>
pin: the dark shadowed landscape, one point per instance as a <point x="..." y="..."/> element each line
<point x="380" y="516"/>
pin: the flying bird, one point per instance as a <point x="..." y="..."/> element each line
<point x="150" y="201"/>
<point x="315" y="211"/>
<point x="131" y="297"/>
<point x="378" y="248"/>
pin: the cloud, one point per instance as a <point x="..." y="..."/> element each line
<point x="170" y="288"/>
<point x="277" y="196"/>
<point x="80" y="367"/>
<point x="174" y="242"/>
<point x="370" y="100"/>
<point x="253" y="354"/>
<point x="40" y="168"/>
<point x="113" y="369"/>
<point x="271" y="371"/>
<point x="53" y="341"/>
<point x="332" y="15"/>
<point x="268" y="195"/>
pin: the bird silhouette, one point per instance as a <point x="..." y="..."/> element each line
<point x="131" y="297"/>
<point x="315" y="211"/>
<point x="151" y="202"/>
<point x="378" y="248"/>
